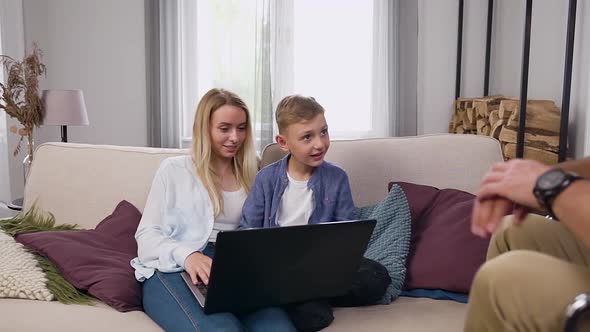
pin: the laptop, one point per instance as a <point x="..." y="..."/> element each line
<point x="262" y="267"/>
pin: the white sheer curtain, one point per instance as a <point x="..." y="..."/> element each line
<point x="4" y="175"/>
<point x="165" y="79"/>
<point x="384" y="100"/>
<point x="12" y="43"/>
<point x="342" y="52"/>
<point x="263" y="104"/>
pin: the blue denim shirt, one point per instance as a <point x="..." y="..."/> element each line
<point x="329" y="184"/>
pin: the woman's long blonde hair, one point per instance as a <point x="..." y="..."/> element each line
<point x="244" y="162"/>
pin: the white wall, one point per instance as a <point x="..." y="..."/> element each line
<point x="98" y="47"/>
<point x="580" y="107"/>
<point x="437" y="55"/>
<point x="436" y="64"/>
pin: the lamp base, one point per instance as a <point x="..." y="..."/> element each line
<point x="16" y="205"/>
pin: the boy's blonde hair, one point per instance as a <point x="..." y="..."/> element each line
<point x="294" y="109"/>
<point x="244" y="162"/>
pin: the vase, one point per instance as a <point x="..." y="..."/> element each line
<point x="28" y="161"/>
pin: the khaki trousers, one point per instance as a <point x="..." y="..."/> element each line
<point x="533" y="272"/>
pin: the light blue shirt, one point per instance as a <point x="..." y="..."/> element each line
<point x="177" y="220"/>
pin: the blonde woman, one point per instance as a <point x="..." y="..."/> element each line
<point x="192" y="198"/>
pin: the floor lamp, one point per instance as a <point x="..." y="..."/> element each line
<point x="64" y="108"/>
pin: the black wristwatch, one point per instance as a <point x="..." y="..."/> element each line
<point x="550" y="184"/>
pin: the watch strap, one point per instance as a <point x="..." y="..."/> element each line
<point x="547" y="200"/>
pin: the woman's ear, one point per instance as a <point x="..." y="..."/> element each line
<point x="282" y="142"/>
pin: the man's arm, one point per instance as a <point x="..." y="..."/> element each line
<point x="580" y="167"/>
<point x="512" y="182"/>
<point x="572" y="208"/>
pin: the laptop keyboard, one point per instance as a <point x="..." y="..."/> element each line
<point x="203" y="288"/>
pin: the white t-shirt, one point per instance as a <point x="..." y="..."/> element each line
<point x="229" y="219"/>
<point x="296" y="204"/>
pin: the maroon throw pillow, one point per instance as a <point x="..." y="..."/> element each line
<point x="444" y="254"/>
<point x="96" y="261"/>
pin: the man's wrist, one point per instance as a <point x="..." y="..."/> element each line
<point x="550" y="185"/>
<point x="560" y="202"/>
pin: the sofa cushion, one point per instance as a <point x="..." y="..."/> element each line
<point x="444" y="254"/>
<point x="96" y="261"/>
<point x="390" y="241"/>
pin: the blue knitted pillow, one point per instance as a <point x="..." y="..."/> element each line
<point x="390" y="242"/>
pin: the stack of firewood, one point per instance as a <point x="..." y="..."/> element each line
<point x="498" y="117"/>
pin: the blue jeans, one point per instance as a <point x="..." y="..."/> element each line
<point x="168" y="301"/>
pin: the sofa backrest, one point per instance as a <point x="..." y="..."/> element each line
<point x="82" y="183"/>
<point x="442" y="161"/>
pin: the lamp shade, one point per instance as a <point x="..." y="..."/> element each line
<point x="64" y="108"/>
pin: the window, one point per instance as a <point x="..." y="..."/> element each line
<point x="224" y="50"/>
<point x="327" y="49"/>
<point x="332" y="48"/>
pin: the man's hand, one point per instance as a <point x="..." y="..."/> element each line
<point x="506" y="188"/>
<point x="513" y="180"/>
<point x="487" y="214"/>
<point x="197" y="264"/>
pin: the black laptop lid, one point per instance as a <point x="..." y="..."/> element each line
<point x="254" y="268"/>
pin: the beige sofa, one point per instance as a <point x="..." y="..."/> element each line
<point x="82" y="184"/>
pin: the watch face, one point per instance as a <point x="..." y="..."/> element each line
<point x="551" y="179"/>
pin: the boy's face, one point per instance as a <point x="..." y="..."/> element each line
<point x="308" y="141"/>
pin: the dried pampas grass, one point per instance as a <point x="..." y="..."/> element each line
<point x="19" y="95"/>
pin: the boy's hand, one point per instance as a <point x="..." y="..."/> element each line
<point x="197" y="264"/>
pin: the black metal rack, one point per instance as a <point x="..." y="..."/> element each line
<point x="567" y="71"/>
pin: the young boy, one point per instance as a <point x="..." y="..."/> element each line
<point x="301" y="188"/>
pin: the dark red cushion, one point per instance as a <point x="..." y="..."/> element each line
<point x="444" y="254"/>
<point x="96" y="261"/>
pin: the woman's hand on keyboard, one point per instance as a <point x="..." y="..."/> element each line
<point x="198" y="266"/>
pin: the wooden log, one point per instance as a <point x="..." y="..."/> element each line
<point x="485" y="105"/>
<point x="464" y="120"/>
<point x="463" y="103"/>
<point x="541" y="115"/>
<point x="546" y="157"/>
<point x="481" y="123"/>
<point x="507" y="107"/>
<point x="456" y="121"/>
<point x="496" y="128"/>
<point x="467" y="125"/>
<point x="532" y="138"/>
<point x="484" y="130"/>
<point x="471" y="115"/>
<point x="494" y="117"/>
